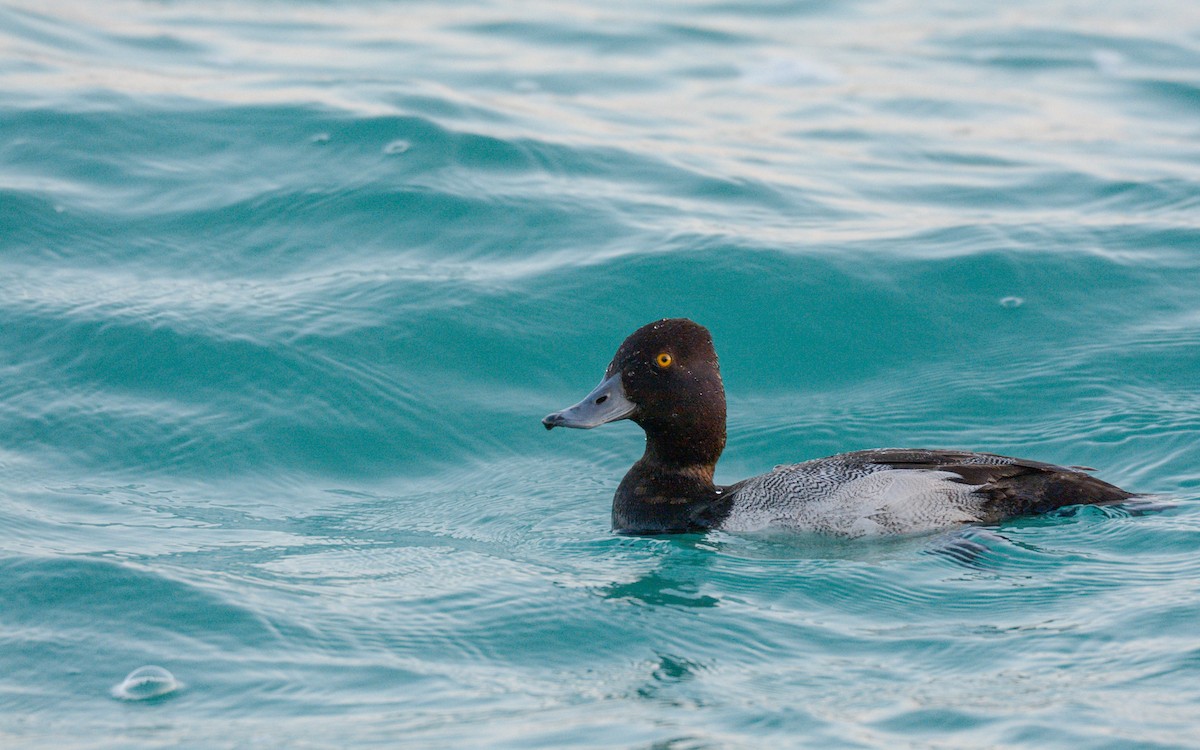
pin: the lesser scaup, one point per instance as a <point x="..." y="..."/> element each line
<point x="665" y="378"/>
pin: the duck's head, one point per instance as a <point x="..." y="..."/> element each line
<point x="665" y="378"/>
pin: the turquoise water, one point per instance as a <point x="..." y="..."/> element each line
<point x="285" y="289"/>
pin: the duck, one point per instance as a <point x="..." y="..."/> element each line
<point x="665" y="378"/>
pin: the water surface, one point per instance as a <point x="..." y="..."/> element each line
<point x="286" y="288"/>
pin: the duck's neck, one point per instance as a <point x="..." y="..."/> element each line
<point x="670" y="489"/>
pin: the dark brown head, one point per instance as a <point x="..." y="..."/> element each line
<point x="665" y="378"/>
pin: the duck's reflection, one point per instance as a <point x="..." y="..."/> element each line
<point x="681" y="585"/>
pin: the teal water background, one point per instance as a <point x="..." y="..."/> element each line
<point x="285" y="289"/>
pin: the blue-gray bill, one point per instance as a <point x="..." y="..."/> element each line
<point x="606" y="403"/>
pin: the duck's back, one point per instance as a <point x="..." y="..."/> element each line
<point x="897" y="491"/>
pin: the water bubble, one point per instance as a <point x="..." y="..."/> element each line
<point x="397" y="147"/>
<point x="1011" y="302"/>
<point x="145" y="683"/>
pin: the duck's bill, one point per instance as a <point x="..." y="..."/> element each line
<point x="606" y="403"/>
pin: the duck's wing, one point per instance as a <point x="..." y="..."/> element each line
<point x="1009" y="486"/>
<point x="897" y="491"/>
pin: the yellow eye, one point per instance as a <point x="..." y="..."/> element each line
<point x="663" y="360"/>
